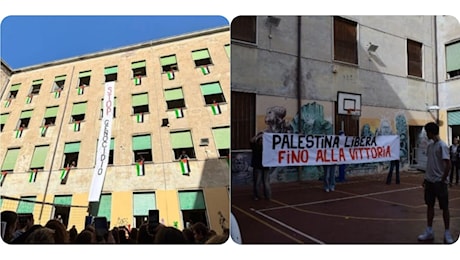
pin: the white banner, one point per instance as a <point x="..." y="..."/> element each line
<point x="294" y="149"/>
<point x="103" y="145"/>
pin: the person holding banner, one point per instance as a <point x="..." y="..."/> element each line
<point x="435" y="182"/>
<point x="329" y="177"/>
<point x="260" y="174"/>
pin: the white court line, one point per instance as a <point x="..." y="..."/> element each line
<point x="288" y="227"/>
<point x="338" y="199"/>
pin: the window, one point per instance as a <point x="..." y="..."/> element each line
<point x="58" y="84"/>
<point x="222" y="140"/>
<point x="243" y="121"/>
<point x="174" y="98"/>
<point x="114" y="107"/>
<point x="111" y="73"/>
<point x="62" y="207"/>
<point x="142" y="148"/>
<point x="36" y="85"/>
<point x="414" y="58"/>
<point x="3" y="119"/>
<point x="345" y="40"/>
<point x="50" y="115"/>
<point x="139" y="69"/>
<point x="10" y="159"/>
<point x="201" y="57"/>
<point x="244" y="29"/>
<point x="26" y="205"/>
<point x="140" y="103"/>
<point x="39" y="157"/>
<point x="142" y="203"/>
<point x="182" y="141"/>
<point x="14" y="90"/>
<point x="84" y="78"/>
<point x="169" y="63"/>
<point x="192" y="205"/>
<point x="453" y="59"/>
<point x="71" y="152"/>
<point x="24" y="119"/>
<point x="78" y="112"/>
<point x="104" y="207"/>
<point x="212" y="92"/>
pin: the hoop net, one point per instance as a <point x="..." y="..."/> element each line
<point x="354" y="113"/>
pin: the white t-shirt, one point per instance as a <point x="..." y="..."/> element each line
<point x="436" y="153"/>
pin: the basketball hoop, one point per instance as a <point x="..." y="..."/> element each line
<point x="354" y="113"/>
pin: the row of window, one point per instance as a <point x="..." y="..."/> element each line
<point x="169" y="65"/>
<point x="211" y="92"/>
<point x="181" y="141"/>
<point x="191" y="203"/>
<point x="244" y="28"/>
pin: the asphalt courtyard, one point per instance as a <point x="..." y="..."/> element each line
<point x="362" y="210"/>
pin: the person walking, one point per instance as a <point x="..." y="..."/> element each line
<point x="260" y="176"/>
<point x="435" y="182"/>
<point x="454" y="150"/>
<point x="394" y="164"/>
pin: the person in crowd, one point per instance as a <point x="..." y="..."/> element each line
<point x="394" y="164"/>
<point x="189" y="236"/>
<point x="42" y="235"/>
<point x="169" y="235"/>
<point x="201" y="232"/>
<point x="9" y="223"/>
<point x="144" y="236"/>
<point x="454" y="150"/>
<point x="25" y="221"/>
<point x="260" y="174"/>
<point x="329" y="177"/>
<point x="73" y="233"/>
<point x="86" y="236"/>
<point x="435" y="182"/>
<point x="61" y="236"/>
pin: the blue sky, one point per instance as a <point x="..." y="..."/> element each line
<point x="31" y="40"/>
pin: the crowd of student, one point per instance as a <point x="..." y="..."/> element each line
<point x="21" y="229"/>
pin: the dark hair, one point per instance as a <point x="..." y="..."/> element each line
<point x="432" y="128"/>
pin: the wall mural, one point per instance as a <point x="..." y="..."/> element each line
<point x="312" y="121"/>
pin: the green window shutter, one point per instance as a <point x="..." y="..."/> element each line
<point x="26" y="114"/>
<point x="222" y="137"/>
<point x="111" y="70"/>
<point x="139" y="64"/>
<point x="79" y="108"/>
<point x="173" y="94"/>
<point x="191" y="200"/>
<point x="142" y="202"/>
<point x="84" y="74"/>
<point x="15" y="87"/>
<point x="168" y="60"/>
<point x="10" y="159"/>
<point x="453" y="118"/>
<point x="105" y="206"/>
<point x="63" y="200"/>
<point x="227" y="49"/>
<point x="211" y="88"/>
<point x="39" y="157"/>
<point x="112" y="143"/>
<point x="25" y="206"/>
<point x="181" y="140"/>
<point x="51" y="111"/>
<point x="72" y="147"/>
<point x="201" y="54"/>
<point x="59" y="78"/>
<point x="453" y="57"/>
<point x="3" y="118"/>
<point x="37" y="82"/>
<point x="140" y="99"/>
<point x="142" y="142"/>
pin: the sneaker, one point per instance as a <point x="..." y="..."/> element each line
<point x="427" y="235"/>
<point x="327" y="190"/>
<point x="448" y="238"/>
<point x="332" y="189"/>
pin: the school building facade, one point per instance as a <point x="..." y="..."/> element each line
<point x="365" y="75"/>
<point x="170" y="96"/>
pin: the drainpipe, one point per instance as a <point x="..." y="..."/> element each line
<point x="299" y="85"/>
<point x="55" y="146"/>
<point x="436" y="83"/>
